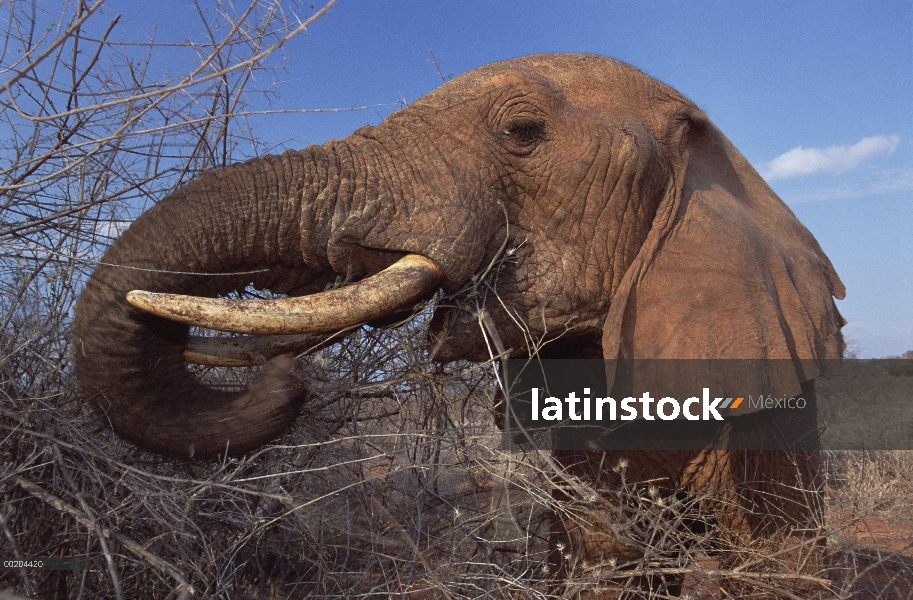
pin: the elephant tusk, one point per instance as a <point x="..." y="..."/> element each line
<point x="399" y="285"/>
<point x="249" y="351"/>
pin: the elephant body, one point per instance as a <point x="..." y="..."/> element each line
<point x="608" y="216"/>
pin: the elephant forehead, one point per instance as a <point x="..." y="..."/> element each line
<point x="583" y="79"/>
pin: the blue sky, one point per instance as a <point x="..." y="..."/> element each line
<point x="817" y="95"/>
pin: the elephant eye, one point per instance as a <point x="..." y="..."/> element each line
<point x="525" y="131"/>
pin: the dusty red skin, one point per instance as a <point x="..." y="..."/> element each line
<point x="634" y="228"/>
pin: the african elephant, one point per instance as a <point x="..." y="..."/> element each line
<point x="635" y="228"/>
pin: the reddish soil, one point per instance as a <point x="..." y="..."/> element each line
<point x="876" y="559"/>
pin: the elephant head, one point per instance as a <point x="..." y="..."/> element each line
<point x="625" y="223"/>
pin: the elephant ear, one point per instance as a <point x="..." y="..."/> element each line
<point x="727" y="272"/>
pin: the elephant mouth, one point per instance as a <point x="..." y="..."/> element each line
<point x="279" y="325"/>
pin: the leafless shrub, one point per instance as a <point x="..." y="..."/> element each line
<point x="94" y="131"/>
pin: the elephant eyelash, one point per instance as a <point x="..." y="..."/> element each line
<point x="525" y="131"/>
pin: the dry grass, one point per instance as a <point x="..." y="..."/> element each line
<point x="391" y="485"/>
<point x="387" y="488"/>
<point x="870" y="518"/>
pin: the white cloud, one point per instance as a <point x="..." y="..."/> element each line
<point x="111" y="229"/>
<point x="834" y="159"/>
<point x="876" y="183"/>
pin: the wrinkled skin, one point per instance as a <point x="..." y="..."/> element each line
<point x="634" y="227"/>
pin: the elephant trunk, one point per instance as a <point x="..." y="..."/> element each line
<point x="259" y="223"/>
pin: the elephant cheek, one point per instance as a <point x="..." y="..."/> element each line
<point x="456" y="336"/>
